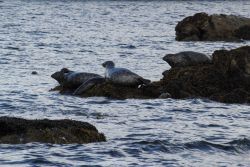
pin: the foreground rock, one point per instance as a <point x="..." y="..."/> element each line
<point x="227" y="79"/>
<point x="18" y="131"/>
<point x="202" y="27"/>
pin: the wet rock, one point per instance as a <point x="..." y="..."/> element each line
<point x="113" y="91"/>
<point x="18" y="131"/>
<point x="235" y="62"/>
<point x="225" y="80"/>
<point x="243" y="32"/>
<point x="216" y="27"/>
<point x="124" y="92"/>
<point x="187" y="58"/>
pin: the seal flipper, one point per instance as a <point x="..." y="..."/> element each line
<point x="144" y="81"/>
<point x="88" y="85"/>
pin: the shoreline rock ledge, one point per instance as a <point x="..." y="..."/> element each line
<point x="20" y="131"/>
<point x="216" y="27"/>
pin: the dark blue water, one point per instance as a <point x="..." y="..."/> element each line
<point x="45" y="36"/>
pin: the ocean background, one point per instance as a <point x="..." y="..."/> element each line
<point x="47" y="35"/>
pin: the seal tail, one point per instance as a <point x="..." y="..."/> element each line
<point x="145" y="81"/>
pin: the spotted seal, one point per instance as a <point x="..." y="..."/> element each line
<point x="187" y="58"/>
<point x="122" y="76"/>
<point x="71" y="79"/>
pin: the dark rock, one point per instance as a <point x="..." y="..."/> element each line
<point x="187" y="58"/>
<point x="202" y="27"/>
<point x="34" y="73"/>
<point x="243" y="32"/>
<point x="225" y="80"/>
<point x="235" y="62"/>
<point x="18" y="131"/>
<point x="113" y="91"/>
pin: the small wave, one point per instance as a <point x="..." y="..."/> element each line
<point x="153" y="146"/>
<point x="11" y="25"/>
<point x="235" y="146"/>
<point x="36" y="32"/>
<point x="99" y="102"/>
<point x="128" y="46"/>
<point x="206" y="146"/>
<point x="243" y="144"/>
<point x="210" y="125"/>
<point x="113" y="153"/>
<point x="238" y="145"/>
<point x="12" y="48"/>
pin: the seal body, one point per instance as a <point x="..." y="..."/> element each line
<point x="122" y="76"/>
<point x="71" y="79"/>
<point x="188" y="58"/>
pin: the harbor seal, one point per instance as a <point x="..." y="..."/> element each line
<point x="122" y="76"/>
<point x="187" y="58"/>
<point x="71" y="79"/>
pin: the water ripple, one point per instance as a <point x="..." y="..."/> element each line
<point x="45" y="36"/>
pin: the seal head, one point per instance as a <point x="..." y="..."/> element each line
<point x="108" y="64"/>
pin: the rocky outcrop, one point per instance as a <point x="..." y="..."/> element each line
<point x="227" y="79"/>
<point x="202" y="27"/>
<point x="19" y="131"/>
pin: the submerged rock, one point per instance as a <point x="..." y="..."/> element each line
<point x="188" y="58"/>
<point x="19" y="131"/>
<point x="216" y="27"/>
<point x="225" y="80"/>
